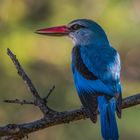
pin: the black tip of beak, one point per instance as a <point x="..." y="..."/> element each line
<point x="38" y="32"/>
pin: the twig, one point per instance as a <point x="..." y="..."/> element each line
<point x="37" y="99"/>
<point x="18" y="101"/>
<point x="49" y="93"/>
<point x="18" y="131"/>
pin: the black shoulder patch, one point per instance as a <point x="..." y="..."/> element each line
<point x="80" y="66"/>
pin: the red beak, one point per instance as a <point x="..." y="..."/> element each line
<point x="54" y="31"/>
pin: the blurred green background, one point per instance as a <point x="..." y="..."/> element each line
<point x="47" y="60"/>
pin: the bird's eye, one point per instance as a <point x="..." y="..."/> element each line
<point x="76" y="27"/>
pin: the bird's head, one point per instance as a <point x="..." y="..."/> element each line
<point x="81" y="31"/>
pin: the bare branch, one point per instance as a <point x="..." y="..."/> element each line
<point x="37" y="99"/>
<point x="57" y="118"/>
<point x="50" y="118"/>
<point x="131" y="101"/>
<point x="49" y="93"/>
<point x="18" y="101"/>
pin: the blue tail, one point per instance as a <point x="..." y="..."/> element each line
<point x="107" y="118"/>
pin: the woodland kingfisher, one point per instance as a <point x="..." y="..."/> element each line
<point x="96" y="72"/>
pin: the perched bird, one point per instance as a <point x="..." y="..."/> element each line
<point x="96" y="72"/>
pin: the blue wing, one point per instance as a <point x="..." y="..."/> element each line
<point x="101" y="77"/>
<point x="105" y="64"/>
<point x="102" y="63"/>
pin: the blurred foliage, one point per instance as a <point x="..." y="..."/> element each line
<point x="47" y="60"/>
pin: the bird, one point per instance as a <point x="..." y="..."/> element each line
<point x="96" y="72"/>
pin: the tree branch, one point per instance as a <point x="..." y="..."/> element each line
<point x="49" y="93"/>
<point x="50" y="117"/>
<point x="37" y="99"/>
<point x="21" y="102"/>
